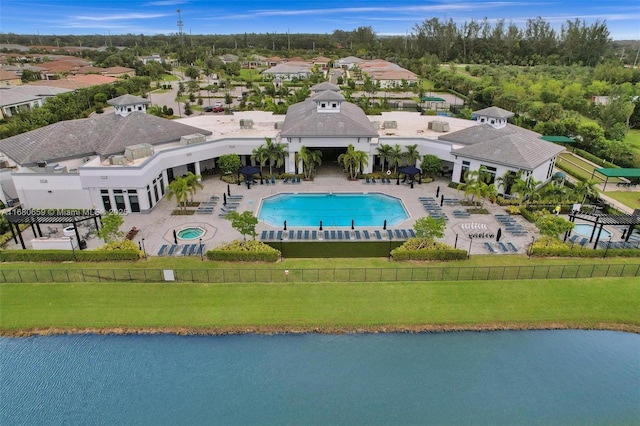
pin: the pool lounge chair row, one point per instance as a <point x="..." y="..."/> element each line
<point x="294" y="179"/>
<point x="340" y="235"/>
<point x="383" y="180"/>
<point x="181" y="250"/>
<point x="271" y="181"/>
<point x="502" y="247"/>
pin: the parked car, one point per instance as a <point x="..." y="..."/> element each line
<point x="218" y="109"/>
<point x="218" y="103"/>
<point x="208" y="108"/>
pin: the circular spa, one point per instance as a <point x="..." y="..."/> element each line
<point x="335" y="210"/>
<point x="586" y="229"/>
<point x="190" y="233"/>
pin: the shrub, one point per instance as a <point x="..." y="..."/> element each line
<point x="513" y="210"/>
<point x="424" y="249"/>
<point x="67" y="255"/>
<point x="247" y="251"/>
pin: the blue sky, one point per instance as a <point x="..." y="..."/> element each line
<point x="150" y="17"/>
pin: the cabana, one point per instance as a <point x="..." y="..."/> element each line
<point x="248" y="172"/>
<point x="409" y="171"/>
<point x="632" y="174"/>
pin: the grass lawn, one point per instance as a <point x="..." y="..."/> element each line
<point x="580" y="167"/>
<point x="586" y="303"/>
<point x="169" y="77"/>
<point x="250" y="75"/>
<point x="631" y="199"/>
<point x="633" y="139"/>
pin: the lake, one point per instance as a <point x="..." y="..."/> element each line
<point x="567" y="377"/>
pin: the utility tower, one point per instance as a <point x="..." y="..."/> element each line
<point x="180" y="25"/>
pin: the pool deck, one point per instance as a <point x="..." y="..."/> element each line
<point x="156" y="228"/>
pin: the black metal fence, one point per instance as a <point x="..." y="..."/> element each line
<point x="241" y="275"/>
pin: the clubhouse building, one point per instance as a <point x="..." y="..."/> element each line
<point x="125" y="160"/>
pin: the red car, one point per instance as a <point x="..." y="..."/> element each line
<point x="218" y="109"/>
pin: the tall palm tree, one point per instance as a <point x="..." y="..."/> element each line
<point x="180" y="190"/>
<point x="384" y="151"/>
<point x="583" y="190"/>
<point x="507" y="180"/>
<point x="353" y="161"/>
<point x="260" y="155"/>
<point x="310" y="159"/>
<point x="395" y="159"/>
<point x="193" y="184"/>
<point x="412" y="154"/>
<point x="276" y="153"/>
<point x="360" y="159"/>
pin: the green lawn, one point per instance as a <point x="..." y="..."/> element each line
<point x="633" y="139"/>
<point x="631" y="198"/>
<point x="580" y="167"/>
<point x="250" y="75"/>
<point x="587" y="303"/>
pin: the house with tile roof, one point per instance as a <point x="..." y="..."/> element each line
<point x="288" y="71"/>
<point x="9" y="78"/>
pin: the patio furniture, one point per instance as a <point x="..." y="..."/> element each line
<point x="367" y="180"/>
<point x="173" y="249"/>
<point x="512" y="247"/>
<point x="366" y="235"/>
<point x="263" y="236"/>
<point x="333" y="235"/>
<point x="163" y="250"/>
<point x="378" y="236"/>
<point x="357" y="233"/>
<point x="412" y="233"/>
<point x="503" y="247"/>
<point x="272" y="235"/>
<point x="273" y="180"/>
<point x="299" y="234"/>
<point x="489" y="247"/>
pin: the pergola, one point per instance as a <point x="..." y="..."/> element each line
<point x="409" y="171"/>
<point x="248" y="172"/>
<point x="18" y="216"/>
<point x="624" y="173"/>
<point x="600" y="220"/>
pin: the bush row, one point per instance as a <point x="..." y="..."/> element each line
<point x="565" y="252"/>
<point x="597" y="160"/>
<point x="402" y="254"/>
<point x="244" y="251"/>
<point x="67" y="255"/>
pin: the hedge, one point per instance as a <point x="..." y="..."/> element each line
<point x="67" y="255"/>
<point x="563" y="252"/>
<point x="242" y="256"/>
<point x="594" y="159"/>
<point x="402" y="254"/>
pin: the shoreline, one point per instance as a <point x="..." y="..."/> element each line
<point x="275" y="330"/>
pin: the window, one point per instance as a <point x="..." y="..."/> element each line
<point x="334" y="105"/>
<point x="120" y="205"/>
<point x="133" y="202"/>
<point x="491" y="171"/>
<point x="323" y="105"/>
<point x="465" y="168"/>
<point x="106" y="202"/>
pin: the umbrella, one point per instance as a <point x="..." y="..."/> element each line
<point x="285" y="225"/>
<point x="321" y="225"/>
<point x="385" y="224"/>
<point x="228" y="190"/>
<point x="499" y="234"/>
<point x="352" y="223"/>
<point x="175" y="237"/>
<point x="437" y="192"/>
<point x="224" y="196"/>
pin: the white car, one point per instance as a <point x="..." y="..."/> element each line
<point x="218" y="104"/>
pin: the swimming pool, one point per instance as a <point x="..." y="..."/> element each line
<point x="190" y="233"/>
<point x="585" y="229"/>
<point x="307" y="210"/>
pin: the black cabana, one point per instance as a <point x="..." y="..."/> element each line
<point x="409" y="171"/>
<point x="248" y="172"/>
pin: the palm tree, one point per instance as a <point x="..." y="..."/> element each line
<point x="275" y="153"/>
<point x="360" y="159"/>
<point x="583" y="190"/>
<point x="193" y="184"/>
<point x="261" y="155"/>
<point x="310" y="159"/>
<point x="507" y="180"/>
<point x="180" y="190"/>
<point x="395" y="158"/>
<point x="487" y="192"/>
<point x="384" y="151"/>
<point x="412" y="154"/>
<point x="353" y="161"/>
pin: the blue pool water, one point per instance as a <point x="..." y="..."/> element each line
<point x="332" y="209"/>
<point x="586" y="229"/>
<point x="190" y="233"/>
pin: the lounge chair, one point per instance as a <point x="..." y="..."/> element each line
<point x="285" y="180"/>
<point x="291" y="234"/>
<point x="333" y="235"/>
<point x="512" y="247"/>
<point x="299" y="236"/>
<point x="214" y="198"/>
<point x="314" y="235"/>
<point x="388" y="181"/>
<point x="306" y="234"/>
<point x="200" y="249"/>
<point x="163" y="250"/>
<point x="264" y="235"/>
<point x="404" y="234"/>
<point x="489" y="247"/>
<point x="357" y="235"/>
<point x="397" y="233"/>
<point x="273" y="180"/>
<point x="367" y="180"/>
<point x="185" y="249"/>
<point x="272" y="235"/>
<point x="347" y="235"/>
<point x="266" y="181"/>
<point x="339" y="235"/>
<point x="298" y="179"/>
<point x="366" y="235"/>
<point x="412" y="233"/>
<point x="326" y="235"/>
<point x="279" y="235"/>
<point x="173" y="249"/>
<point x="378" y="236"/>
<point x="373" y="180"/>
<point x="235" y="197"/>
<point x="503" y="247"/>
<point x="192" y="249"/>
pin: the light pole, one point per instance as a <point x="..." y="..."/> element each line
<point x="607" y="249"/>
<point x="200" y="246"/>
<point x="533" y="240"/>
<point x="144" y="250"/>
<point x="470" y="242"/>
<point x="73" y="249"/>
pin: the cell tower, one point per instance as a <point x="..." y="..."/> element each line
<point x="180" y="25"/>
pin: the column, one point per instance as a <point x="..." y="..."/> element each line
<point x="197" y="168"/>
<point x="369" y="167"/>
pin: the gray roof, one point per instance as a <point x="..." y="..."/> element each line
<point x="127" y="99"/>
<point x="288" y="68"/>
<point x="26" y="93"/>
<point x="494" y="112"/>
<point x="510" y="145"/>
<point x="325" y="85"/>
<point x="101" y="134"/>
<point x="328" y="95"/>
<point x="303" y="119"/>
